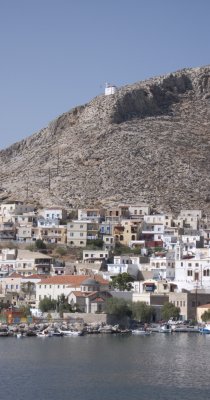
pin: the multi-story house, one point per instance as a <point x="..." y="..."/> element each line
<point x="53" y="213"/>
<point x="55" y="286"/>
<point x="91" y="214"/>
<point x="138" y="211"/>
<point x="7" y="231"/>
<point x="24" y="233"/>
<point x="189" y="219"/>
<point x="11" y="208"/>
<point x="77" y="233"/>
<point x="92" y="256"/>
<point x="7" y="261"/>
<point x="24" y="262"/>
<point x="191" y="272"/>
<point x="115" y="214"/>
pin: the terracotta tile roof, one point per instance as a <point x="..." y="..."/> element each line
<point x="71" y="280"/>
<point x="204" y="306"/>
<point x="35" y="276"/>
<point x="14" y="275"/>
<point x="78" y="293"/>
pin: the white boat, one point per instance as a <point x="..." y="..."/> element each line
<point x="205" y="329"/>
<point x="4" y="332"/>
<point x="44" y="333"/>
<point x="140" y="332"/>
<point x="165" y="328"/>
<point x="71" y="333"/>
<point x="20" y="335"/>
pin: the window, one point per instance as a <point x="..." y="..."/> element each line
<point x="181" y="264"/>
<point x="189" y="272"/>
<point x="71" y="234"/>
<point x="81" y="226"/>
<point x="81" y="242"/>
<point x="58" y="286"/>
<point x="81" y="234"/>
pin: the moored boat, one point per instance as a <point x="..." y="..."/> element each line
<point x="70" y="333"/>
<point x="165" y="328"/>
<point x="205" y="329"/>
<point x="141" y="332"/>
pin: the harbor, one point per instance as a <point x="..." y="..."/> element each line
<point x="59" y="329"/>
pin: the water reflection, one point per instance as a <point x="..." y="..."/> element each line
<point x="160" y="366"/>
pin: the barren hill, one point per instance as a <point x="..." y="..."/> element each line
<point x="149" y="142"/>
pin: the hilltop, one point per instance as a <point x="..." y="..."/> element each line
<point x="149" y="142"/>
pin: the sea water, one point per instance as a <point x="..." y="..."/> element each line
<point x="104" y="367"/>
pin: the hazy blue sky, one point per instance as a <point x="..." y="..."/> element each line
<point x="56" y="54"/>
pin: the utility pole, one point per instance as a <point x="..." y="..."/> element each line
<point x="27" y="190"/>
<point x="49" y="179"/>
<point x="58" y="161"/>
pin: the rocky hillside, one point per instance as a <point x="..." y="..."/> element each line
<point x="149" y="142"/>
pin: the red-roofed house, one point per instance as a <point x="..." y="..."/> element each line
<point x="54" y="286"/>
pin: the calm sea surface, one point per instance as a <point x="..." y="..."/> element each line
<point x="160" y="366"/>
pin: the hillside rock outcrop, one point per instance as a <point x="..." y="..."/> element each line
<point x="149" y="142"/>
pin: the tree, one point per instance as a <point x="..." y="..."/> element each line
<point x="61" y="251"/>
<point x="47" y="304"/>
<point x="169" y="310"/>
<point x="122" y="281"/>
<point x="118" y="307"/>
<point x="28" y="288"/>
<point x="40" y="245"/>
<point x="142" y="312"/>
<point x="206" y="316"/>
<point x="63" y="305"/>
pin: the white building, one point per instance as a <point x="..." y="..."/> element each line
<point x="53" y="213"/>
<point x="55" y="286"/>
<point x="9" y="209"/>
<point x="110" y="89"/>
<point x="92" y="256"/>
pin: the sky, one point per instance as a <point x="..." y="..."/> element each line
<point x="57" y="54"/>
